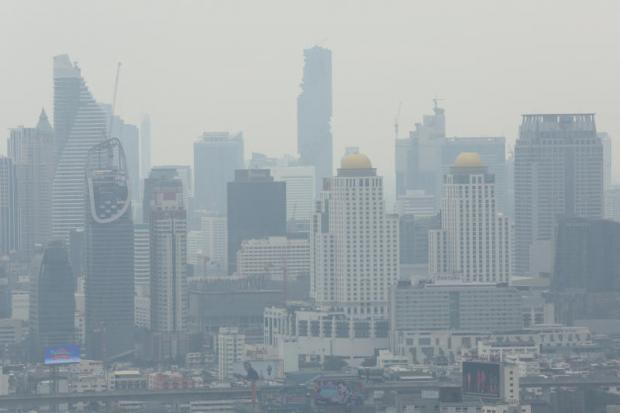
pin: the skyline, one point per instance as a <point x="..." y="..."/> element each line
<point x="505" y="61"/>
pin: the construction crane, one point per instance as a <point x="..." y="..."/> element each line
<point x="396" y="119"/>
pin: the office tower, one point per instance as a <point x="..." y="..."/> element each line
<point x="230" y="350"/>
<point x="77" y="251"/>
<point x="558" y="171"/>
<point x="9" y="228"/>
<point x="607" y="157"/>
<point x="314" y="113"/>
<point x="157" y="175"/>
<point x="416" y="202"/>
<point x="79" y="124"/>
<point x="277" y="257"/>
<point x="300" y="190"/>
<point x="109" y="288"/>
<point x="32" y="153"/>
<point x="145" y="147"/>
<point x="354" y="244"/>
<point x="414" y="236"/>
<point x="142" y="259"/>
<point x="474" y="240"/>
<point x="216" y="157"/>
<point x="129" y="135"/>
<point x="169" y="299"/>
<point x="586" y="255"/>
<point x="52" y="300"/>
<point x="214" y="230"/>
<point x="455" y="306"/>
<point x="256" y="209"/>
<point x="184" y="173"/>
<point x="612" y="203"/>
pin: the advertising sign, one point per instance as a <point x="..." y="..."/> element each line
<point x="481" y="379"/>
<point x="67" y="354"/>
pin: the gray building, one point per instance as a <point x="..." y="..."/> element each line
<point x="109" y="234"/>
<point x="558" y="171"/>
<point x="216" y="157"/>
<point x="32" y="152"/>
<point x="314" y="113"/>
<point x="256" y="209"/>
<point x="455" y="306"/>
<point x="413" y="237"/>
<point x="9" y="228"/>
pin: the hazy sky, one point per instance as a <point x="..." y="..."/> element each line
<point x="236" y="65"/>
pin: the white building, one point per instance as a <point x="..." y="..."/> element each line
<point x="299" y="190"/>
<point x="230" y="350"/>
<point x="20" y="305"/>
<point x="274" y="256"/>
<point x="353" y="242"/>
<point x="474" y="240"/>
<point x="142" y="260"/>
<point x="214" y="242"/>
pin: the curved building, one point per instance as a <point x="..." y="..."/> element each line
<point x="109" y="288"/>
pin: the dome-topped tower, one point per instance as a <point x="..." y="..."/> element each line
<point x="468" y="160"/>
<point x="355" y="161"/>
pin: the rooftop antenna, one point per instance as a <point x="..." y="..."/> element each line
<point x="111" y="123"/>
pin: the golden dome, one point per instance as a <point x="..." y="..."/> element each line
<point x="355" y="161"/>
<point x="468" y="160"/>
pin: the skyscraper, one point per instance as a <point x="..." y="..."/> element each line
<point x="168" y="240"/>
<point x="9" y="228"/>
<point x="32" y="152"/>
<point x="353" y="242"/>
<point x="558" y="171"/>
<point x="145" y="147"/>
<point x="79" y="123"/>
<point x="314" y="113"/>
<point x="52" y="300"/>
<point x="474" y="240"/>
<point x="216" y="157"/>
<point x="109" y="289"/>
<point x="256" y="209"/>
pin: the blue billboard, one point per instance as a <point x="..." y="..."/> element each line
<point x="67" y="354"/>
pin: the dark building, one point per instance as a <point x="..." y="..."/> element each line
<point x="109" y="288"/>
<point x="413" y="237"/>
<point x="216" y="157"/>
<point x="52" y="312"/>
<point x="256" y="209"/>
<point x="587" y="255"/>
<point x="9" y="228"/>
<point x="314" y="113"/>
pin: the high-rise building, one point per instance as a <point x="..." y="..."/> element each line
<point x="300" y="190"/>
<point x="278" y="257"/>
<point x="109" y="289"/>
<point x="9" y="228"/>
<point x="216" y="157"/>
<point x="474" y="240"/>
<point x="168" y="228"/>
<point x="256" y="209"/>
<point x="612" y="203"/>
<point x="145" y="147"/>
<point x="52" y="300"/>
<point x="129" y="135"/>
<point x="142" y="259"/>
<point x="32" y="152"/>
<point x="230" y="350"/>
<point x="314" y="113"/>
<point x="354" y="257"/>
<point x="413" y="237"/>
<point x="79" y="124"/>
<point x="558" y="171"/>
<point x="214" y="248"/>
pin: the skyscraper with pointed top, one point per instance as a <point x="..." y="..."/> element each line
<point x="32" y="152"/>
<point x="79" y="123"/>
<point x="314" y="113"/>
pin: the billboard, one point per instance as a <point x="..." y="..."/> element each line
<point x="333" y="391"/>
<point x="266" y="369"/>
<point x="67" y="354"/>
<point x="481" y="379"/>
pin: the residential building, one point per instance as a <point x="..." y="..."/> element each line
<point x="230" y="350"/>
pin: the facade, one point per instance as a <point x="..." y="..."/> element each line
<point x="109" y="287"/>
<point x="9" y="218"/>
<point x="145" y="147"/>
<point x="168" y="242"/>
<point x="216" y="157"/>
<point x="300" y="190"/>
<point x="416" y="202"/>
<point x="256" y="209"/>
<point x="314" y="113"/>
<point x="612" y="203"/>
<point x="353" y="242"/>
<point x="214" y="231"/>
<point x="278" y="257"/>
<point x="455" y="307"/>
<point x="230" y="350"/>
<point x="32" y="152"/>
<point x="413" y="237"/>
<point x="558" y="171"/>
<point x="79" y="124"/>
<point x="129" y="135"/>
<point x="142" y="260"/>
<point x="52" y="309"/>
<point x="474" y="241"/>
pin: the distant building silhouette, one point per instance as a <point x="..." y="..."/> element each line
<point x="314" y="113"/>
<point x="9" y="219"/>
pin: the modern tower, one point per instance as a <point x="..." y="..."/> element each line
<point x="9" y="228"/>
<point x="216" y="157"/>
<point x="52" y="308"/>
<point x="474" y="240"/>
<point x="79" y="124"/>
<point x="145" y="147"/>
<point x="256" y="209"/>
<point x="32" y="151"/>
<point x="558" y="171"/>
<point x="353" y="243"/>
<point x="168" y="240"/>
<point x="109" y="289"/>
<point x="314" y="113"/>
